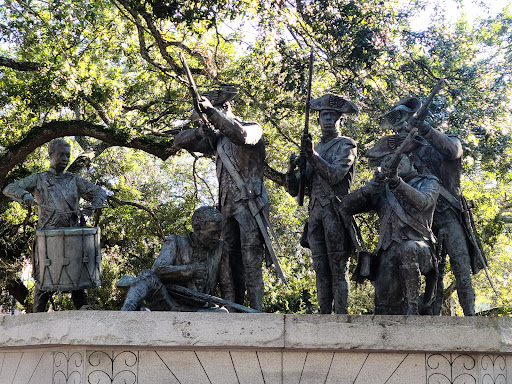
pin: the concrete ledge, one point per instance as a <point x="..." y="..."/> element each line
<point x="217" y="348"/>
<point x="257" y="331"/>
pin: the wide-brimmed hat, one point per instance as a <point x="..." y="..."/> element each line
<point x="220" y="96"/>
<point x="335" y="102"/>
<point x="409" y="105"/>
<point x="389" y="144"/>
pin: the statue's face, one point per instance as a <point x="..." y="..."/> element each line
<point x="395" y="120"/>
<point x="208" y="236"/>
<point x="327" y="119"/>
<point x="59" y="159"/>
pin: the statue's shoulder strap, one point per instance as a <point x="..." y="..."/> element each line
<point x="407" y="218"/>
<point x="230" y="167"/>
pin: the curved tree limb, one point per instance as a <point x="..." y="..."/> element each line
<point x="24" y="66"/>
<point x="160" y="147"/>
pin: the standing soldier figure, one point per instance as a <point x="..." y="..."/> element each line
<point x="441" y="156"/>
<point x="57" y="194"/>
<point x="330" y="169"/>
<point x="240" y="150"/>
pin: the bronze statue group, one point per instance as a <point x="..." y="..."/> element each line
<point x="415" y="191"/>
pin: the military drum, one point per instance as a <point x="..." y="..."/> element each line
<point x="67" y="259"/>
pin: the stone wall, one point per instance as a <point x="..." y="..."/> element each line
<point x="83" y="347"/>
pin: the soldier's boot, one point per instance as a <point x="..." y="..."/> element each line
<point x="411" y="282"/>
<point x="340" y="297"/>
<point x="466" y="295"/>
<point x="252" y="256"/>
<point x="255" y="288"/>
<point x="79" y="298"/>
<point x="340" y="287"/>
<point x="40" y="300"/>
<point x="323" y="283"/>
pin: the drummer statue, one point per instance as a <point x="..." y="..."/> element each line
<point x="57" y="194"/>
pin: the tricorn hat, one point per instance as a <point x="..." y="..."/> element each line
<point x="220" y="96"/>
<point x="389" y="144"/>
<point x="334" y="102"/>
<point x="409" y="105"/>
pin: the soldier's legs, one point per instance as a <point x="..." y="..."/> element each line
<point x="79" y="298"/>
<point x="321" y="263"/>
<point x="414" y="258"/>
<point x="231" y="235"/>
<point x="148" y="287"/>
<point x="251" y="241"/>
<point x="438" y="303"/>
<point x="388" y="289"/>
<point x="457" y="248"/>
<point x="245" y="244"/>
<point x="252" y="256"/>
<point x="340" y="287"/>
<point x="40" y="299"/>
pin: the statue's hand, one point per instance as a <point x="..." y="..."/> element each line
<point x="205" y="105"/>
<point x="28" y="200"/>
<point x="293" y="162"/>
<point x="374" y="187"/>
<point x="200" y="271"/>
<point x="306" y="143"/>
<point x="422" y="126"/>
<point x="205" y="129"/>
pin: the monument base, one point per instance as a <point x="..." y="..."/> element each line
<point x="164" y="347"/>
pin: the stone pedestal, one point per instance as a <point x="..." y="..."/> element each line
<point x="83" y="347"/>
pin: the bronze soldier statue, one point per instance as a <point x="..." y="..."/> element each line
<point x="441" y="156"/>
<point x="240" y="150"/>
<point x="404" y="201"/>
<point x="198" y="261"/>
<point x="57" y="194"/>
<point x="329" y="173"/>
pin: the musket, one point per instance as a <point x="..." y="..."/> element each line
<point x="467" y="215"/>
<point x="391" y="165"/>
<point x="202" y="298"/>
<point x="423" y="111"/>
<point x="305" y="134"/>
<point x="195" y="98"/>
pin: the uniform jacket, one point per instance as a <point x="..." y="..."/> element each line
<point x="330" y="173"/>
<point x="57" y="196"/>
<point x="416" y="197"/>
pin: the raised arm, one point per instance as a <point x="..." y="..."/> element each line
<point x="236" y="131"/>
<point x="448" y="146"/>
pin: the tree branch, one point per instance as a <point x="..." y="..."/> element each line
<point x="160" y="147"/>
<point x="116" y="201"/>
<point x="25" y="66"/>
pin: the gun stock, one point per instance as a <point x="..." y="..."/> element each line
<point x="302" y="158"/>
